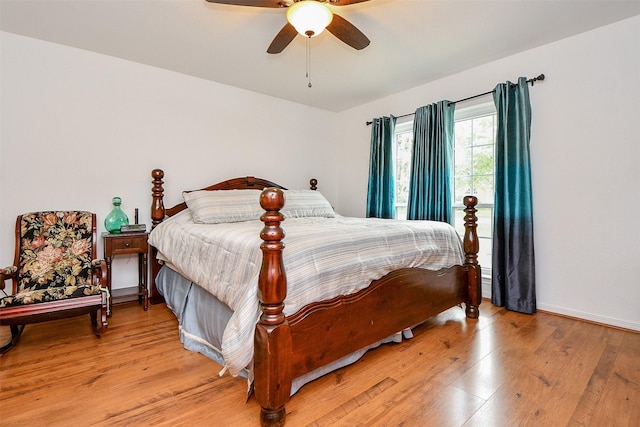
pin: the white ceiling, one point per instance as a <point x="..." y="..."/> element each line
<point x="412" y="41"/>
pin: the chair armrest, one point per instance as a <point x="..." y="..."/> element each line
<point x="100" y="270"/>
<point x="6" y="274"/>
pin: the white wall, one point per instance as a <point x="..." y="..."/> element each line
<point x="79" y="128"/>
<point x="585" y="150"/>
<point x="57" y="101"/>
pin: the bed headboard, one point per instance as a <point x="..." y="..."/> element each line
<point x="158" y="211"/>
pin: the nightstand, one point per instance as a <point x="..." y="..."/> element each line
<point x="127" y="244"/>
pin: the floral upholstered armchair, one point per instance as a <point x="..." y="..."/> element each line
<point x="55" y="273"/>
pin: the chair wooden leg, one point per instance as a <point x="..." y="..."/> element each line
<point x="94" y="323"/>
<point x="16" y="331"/>
<point x="99" y="329"/>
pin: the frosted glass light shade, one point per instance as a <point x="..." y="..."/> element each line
<point x="309" y="17"/>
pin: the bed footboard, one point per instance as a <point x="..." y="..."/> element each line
<point x="395" y="302"/>
<point x="286" y="348"/>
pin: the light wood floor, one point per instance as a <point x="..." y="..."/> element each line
<point x="506" y="369"/>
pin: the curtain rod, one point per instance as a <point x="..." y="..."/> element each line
<point x="532" y="81"/>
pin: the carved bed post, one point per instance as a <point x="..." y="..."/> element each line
<point x="157" y="194"/>
<point x="471" y="247"/>
<point x="157" y="216"/>
<point x="272" y="350"/>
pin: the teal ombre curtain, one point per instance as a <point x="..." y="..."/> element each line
<point x="381" y="194"/>
<point x="513" y="269"/>
<point x="431" y="179"/>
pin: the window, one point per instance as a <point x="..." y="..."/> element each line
<point x="402" y="155"/>
<point x="475" y="131"/>
<point x="474" y="147"/>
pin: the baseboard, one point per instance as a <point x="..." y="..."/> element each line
<point x="486" y="287"/>
<point x="603" y="320"/>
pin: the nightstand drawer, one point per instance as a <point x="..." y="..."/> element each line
<point x="128" y="245"/>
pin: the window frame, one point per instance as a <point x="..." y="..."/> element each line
<point x="473" y="112"/>
<point x="468" y="113"/>
<point x="403" y="125"/>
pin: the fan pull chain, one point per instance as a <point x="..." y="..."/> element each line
<point x="308" y="76"/>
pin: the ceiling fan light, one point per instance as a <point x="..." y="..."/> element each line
<point x="309" y="17"/>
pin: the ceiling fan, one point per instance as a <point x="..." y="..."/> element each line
<point x="312" y="9"/>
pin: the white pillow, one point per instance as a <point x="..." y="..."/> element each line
<point x="306" y="203"/>
<point x="219" y="206"/>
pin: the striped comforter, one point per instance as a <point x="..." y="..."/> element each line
<point x="323" y="257"/>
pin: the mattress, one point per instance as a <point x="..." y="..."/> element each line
<point x="225" y="259"/>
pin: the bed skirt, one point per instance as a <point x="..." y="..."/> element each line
<point x="202" y="319"/>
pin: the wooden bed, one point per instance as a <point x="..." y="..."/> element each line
<point x="287" y="347"/>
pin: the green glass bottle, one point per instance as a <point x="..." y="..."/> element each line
<point x="116" y="218"/>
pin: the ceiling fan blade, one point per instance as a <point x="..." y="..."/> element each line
<point x="344" y="2"/>
<point x="347" y="32"/>
<point x="282" y="39"/>
<point x="254" y="3"/>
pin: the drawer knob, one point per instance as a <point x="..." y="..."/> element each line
<point x="126" y="245"/>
